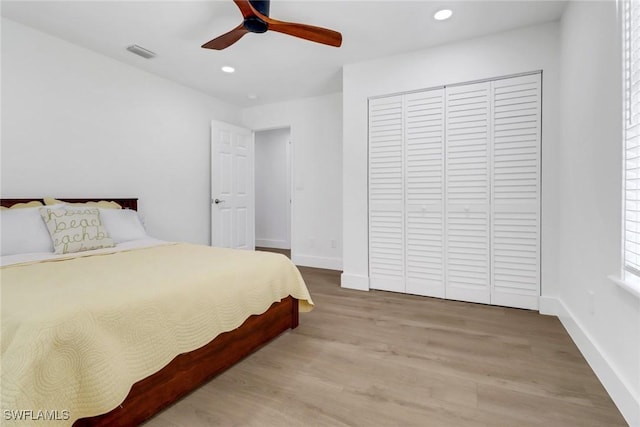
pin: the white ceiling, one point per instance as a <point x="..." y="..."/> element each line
<point x="273" y="66"/>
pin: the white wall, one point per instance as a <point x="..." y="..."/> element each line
<point x="79" y="124"/>
<point x="273" y="227"/>
<point x="590" y="189"/>
<point x="528" y="49"/>
<point x="316" y="144"/>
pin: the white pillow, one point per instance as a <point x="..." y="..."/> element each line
<point x="123" y="225"/>
<point x="23" y="231"/>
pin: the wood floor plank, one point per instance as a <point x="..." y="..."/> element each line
<point x="385" y="359"/>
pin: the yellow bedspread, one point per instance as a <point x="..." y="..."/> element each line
<point x="78" y="333"/>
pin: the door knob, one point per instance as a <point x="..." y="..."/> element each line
<point x="218" y="201"/>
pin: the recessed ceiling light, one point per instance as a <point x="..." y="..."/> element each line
<point x="228" y="69"/>
<point x="252" y="96"/>
<point x="443" y="14"/>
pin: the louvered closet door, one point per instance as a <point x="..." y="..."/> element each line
<point x="424" y="192"/>
<point x="386" y="194"/>
<point x="516" y="191"/>
<point x="468" y="192"/>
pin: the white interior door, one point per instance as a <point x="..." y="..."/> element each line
<point x="516" y="191"/>
<point x="468" y="132"/>
<point x="424" y="193"/>
<point x="232" y="187"/>
<point x="386" y="194"/>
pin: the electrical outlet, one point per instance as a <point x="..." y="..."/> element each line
<point x="312" y="242"/>
<point x="591" y="302"/>
<point x="334" y="244"/>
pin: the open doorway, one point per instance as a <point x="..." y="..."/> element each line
<point x="273" y="190"/>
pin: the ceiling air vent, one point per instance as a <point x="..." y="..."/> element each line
<point x="140" y="51"/>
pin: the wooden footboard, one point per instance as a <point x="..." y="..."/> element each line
<point x="190" y="370"/>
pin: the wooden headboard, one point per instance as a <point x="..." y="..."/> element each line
<point x="125" y="203"/>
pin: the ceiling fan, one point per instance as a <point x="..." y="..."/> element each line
<point x="257" y="20"/>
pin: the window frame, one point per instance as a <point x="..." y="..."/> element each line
<point x="630" y="20"/>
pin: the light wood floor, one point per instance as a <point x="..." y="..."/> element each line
<point x="383" y="359"/>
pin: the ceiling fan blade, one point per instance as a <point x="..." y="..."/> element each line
<point x="245" y="7"/>
<point x="226" y="39"/>
<point x="307" y="32"/>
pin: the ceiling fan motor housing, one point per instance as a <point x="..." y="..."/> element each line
<point x="255" y="25"/>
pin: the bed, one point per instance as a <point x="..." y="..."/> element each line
<point x="183" y="371"/>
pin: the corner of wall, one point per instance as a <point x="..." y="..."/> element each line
<point x="354" y="281"/>
<point x="549" y="306"/>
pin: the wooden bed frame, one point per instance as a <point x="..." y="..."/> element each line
<point x="190" y="370"/>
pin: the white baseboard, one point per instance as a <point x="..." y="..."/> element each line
<point x="621" y="393"/>
<point x="354" y="281"/>
<point x="317" y="262"/>
<point x="549" y="306"/>
<point x="271" y="243"/>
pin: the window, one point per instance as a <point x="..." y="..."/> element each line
<point x="631" y="129"/>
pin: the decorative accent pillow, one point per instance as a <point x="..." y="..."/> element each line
<point x="123" y="225"/>
<point x="23" y="232"/>
<point x="31" y="204"/>
<point x="104" y="204"/>
<point x="75" y="229"/>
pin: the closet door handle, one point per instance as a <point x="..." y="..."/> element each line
<point x="218" y="201"/>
